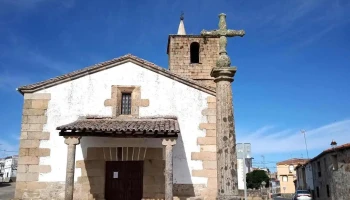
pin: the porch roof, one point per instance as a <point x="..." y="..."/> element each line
<point x="153" y="127"/>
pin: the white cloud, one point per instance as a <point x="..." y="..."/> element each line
<point x="282" y="141"/>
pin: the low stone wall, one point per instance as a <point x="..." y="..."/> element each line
<point x="255" y="194"/>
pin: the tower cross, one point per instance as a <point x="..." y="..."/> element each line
<point x="223" y="32"/>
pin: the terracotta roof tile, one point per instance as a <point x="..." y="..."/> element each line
<point x="106" y="126"/>
<point x="111" y="63"/>
<point x="293" y="161"/>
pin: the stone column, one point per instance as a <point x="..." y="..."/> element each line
<point x="225" y="134"/>
<point x="168" y="171"/>
<point x="71" y="142"/>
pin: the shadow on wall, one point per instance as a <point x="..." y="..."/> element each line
<point x="98" y="150"/>
<point x="183" y="187"/>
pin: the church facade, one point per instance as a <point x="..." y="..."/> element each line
<point x="124" y="129"/>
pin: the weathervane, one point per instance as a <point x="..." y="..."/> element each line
<point x="182" y="15"/>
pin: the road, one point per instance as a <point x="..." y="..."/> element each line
<point x="7" y="191"/>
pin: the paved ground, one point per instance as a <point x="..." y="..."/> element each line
<point x="280" y="198"/>
<point x="7" y="191"/>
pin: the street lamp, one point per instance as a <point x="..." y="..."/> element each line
<point x="307" y="152"/>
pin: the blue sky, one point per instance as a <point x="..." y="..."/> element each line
<point x="293" y="64"/>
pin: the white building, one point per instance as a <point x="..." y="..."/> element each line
<point x="240" y="164"/>
<point x="10" y="168"/>
<point x="2" y="165"/>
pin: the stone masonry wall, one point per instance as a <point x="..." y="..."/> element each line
<point x="33" y="120"/>
<point x="207" y="152"/>
<point x="335" y="179"/>
<point x="179" y="57"/>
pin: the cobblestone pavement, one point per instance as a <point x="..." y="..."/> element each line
<point x="7" y="191"/>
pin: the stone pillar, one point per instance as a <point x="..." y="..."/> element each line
<point x="71" y="142"/>
<point x="225" y="134"/>
<point x="168" y="171"/>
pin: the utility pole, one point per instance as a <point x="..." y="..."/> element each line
<point x="263" y="162"/>
<point x="307" y="152"/>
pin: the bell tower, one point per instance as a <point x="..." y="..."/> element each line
<point x="193" y="56"/>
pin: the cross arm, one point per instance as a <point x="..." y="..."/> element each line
<point x="232" y="33"/>
<point x="210" y="33"/>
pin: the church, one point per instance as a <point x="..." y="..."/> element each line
<point x="127" y="129"/>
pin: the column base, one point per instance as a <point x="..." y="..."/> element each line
<point x="229" y="198"/>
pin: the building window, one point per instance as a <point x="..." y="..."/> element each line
<point x="284" y="178"/>
<point x="318" y="192"/>
<point x="194" y="50"/>
<point x="291" y="168"/>
<point x="126" y="104"/>
<point x="335" y="162"/>
<point x="319" y="168"/>
<point x="328" y="194"/>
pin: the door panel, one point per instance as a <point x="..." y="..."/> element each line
<point x="124" y="180"/>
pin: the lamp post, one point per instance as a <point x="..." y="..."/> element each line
<point x="307" y="152"/>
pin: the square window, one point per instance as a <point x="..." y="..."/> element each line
<point x="126" y="104"/>
<point x="335" y="162"/>
<point x="284" y="178"/>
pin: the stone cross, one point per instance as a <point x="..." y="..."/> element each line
<point x="223" y="32"/>
<point x="226" y="158"/>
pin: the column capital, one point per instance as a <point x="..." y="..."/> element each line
<point x="223" y="73"/>
<point x="72" y="140"/>
<point x="169" y="141"/>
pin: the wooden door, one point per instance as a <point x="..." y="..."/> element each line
<point x="124" y="180"/>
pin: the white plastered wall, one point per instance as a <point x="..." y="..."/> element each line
<point x="86" y="96"/>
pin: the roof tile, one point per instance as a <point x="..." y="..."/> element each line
<point x="165" y="126"/>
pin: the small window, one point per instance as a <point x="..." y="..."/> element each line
<point x="126" y="104"/>
<point x="328" y="194"/>
<point x="284" y="178"/>
<point x="319" y="168"/>
<point x="194" y="50"/>
<point x="318" y="191"/>
<point x="291" y="168"/>
<point x="335" y="162"/>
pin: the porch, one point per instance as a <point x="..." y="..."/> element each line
<point x="106" y="171"/>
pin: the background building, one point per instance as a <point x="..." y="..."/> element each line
<point x="240" y="160"/>
<point x="327" y="174"/>
<point x="2" y="165"/>
<point x="10" y="168"/>
<point x="286" y="174"/>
